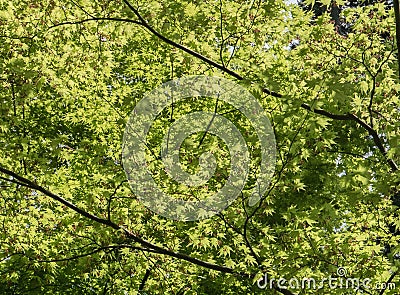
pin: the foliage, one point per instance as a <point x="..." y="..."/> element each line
<point x="71" y="72"/>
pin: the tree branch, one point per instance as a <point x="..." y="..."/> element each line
<point x="325" y="113"/>
<point x="145" y="24"/>
<point x="128" y="234"/>
<point x="388" y="282"/>
<point x="377" y="141"/>
<point x="149" y="247"/>
<point x="352" y="117"/>
<point x="145" y="278"/>
<point x="372" y="132"/>
<point x="142" y="22"/>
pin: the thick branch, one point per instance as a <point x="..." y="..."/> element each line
<point x="325" y="113"/>
<point x="145" y="24"/>
<point x="388" y="282"/>
<point x="145" y="278"/>
<point x="377" y="141"/>
<point x="149" y="246"/>
<point x="352" y="117"/>
<point x="130" y="235"/>
<point x="371" y="131"/>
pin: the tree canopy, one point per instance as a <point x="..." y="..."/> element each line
<point x="72" y="72"/>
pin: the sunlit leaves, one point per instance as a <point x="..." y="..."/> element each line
<point x="66" y="92"/>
